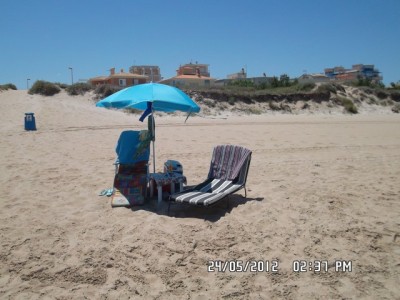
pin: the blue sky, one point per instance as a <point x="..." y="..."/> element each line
<point x="42" y="39"/>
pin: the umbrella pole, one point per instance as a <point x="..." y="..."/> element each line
<point x="153" y="138"/>
<point x="154" y="159"/>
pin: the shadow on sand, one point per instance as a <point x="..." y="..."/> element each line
<point x="211" y="213"/>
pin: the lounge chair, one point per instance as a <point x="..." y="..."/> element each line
<point x="131" y="168"/>
<point x="228" y="174"/>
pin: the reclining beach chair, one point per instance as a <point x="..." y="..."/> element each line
<point x="131" y="168"/>
<point x="228" y="174"/>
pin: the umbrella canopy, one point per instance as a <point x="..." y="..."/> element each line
<point x="151" y="97"/>
<point x="163" y="98"/>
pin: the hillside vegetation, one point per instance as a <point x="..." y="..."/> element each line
<point x="8" y="86"/>
<point x="243" y="97"/>
<point x="326" y="97"/>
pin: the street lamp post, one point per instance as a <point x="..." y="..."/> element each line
<point x="72" y="75"/>
<point x="27" y="83"/>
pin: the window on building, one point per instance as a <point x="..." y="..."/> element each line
<point x="122" y="82"/>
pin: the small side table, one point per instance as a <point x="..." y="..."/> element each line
<point x="163" y="179"/>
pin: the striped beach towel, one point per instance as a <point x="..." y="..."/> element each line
<point x="227" y="161"/>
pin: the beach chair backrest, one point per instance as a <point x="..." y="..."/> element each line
<point x="132" y="147"/>
<point x="244" y="171"/>
<point x="228" y="161"/>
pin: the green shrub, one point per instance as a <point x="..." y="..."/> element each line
<point x="44" y="88"/>
<point x="327" y="87"/>
<point x="241" y="83"/>
<point x="348" y="105"/>
<point x="274" y="106"/>
<point x="368" y="91"/>
<point x="387" y="102"/>
<point x="209" y="102"/>
<point x="61" y="85"/>
<point x="381" y="94"/>
<point x="78" y="89"/>
<point x="395" y="97"/>
<point x="252" y="111"/>
<point x="396" y="108"/>
<point x="206" y="110"/>
<point x="285" y="107"/>
<point x="371" y="100"/>
<point x="132" y="111"/>
<point x="198" y="98"/>
<point x="306" y="87"/>
<point x="394" y="86"/>
<point x="232" y="100"/>
<point x="8" y="86"/>
<point x="105" y="90"/>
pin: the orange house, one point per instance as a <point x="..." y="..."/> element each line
<point x="191" y="76"/>
<point x="121" y="79"/>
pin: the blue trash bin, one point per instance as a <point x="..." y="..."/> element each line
<point x="30" y="123"/>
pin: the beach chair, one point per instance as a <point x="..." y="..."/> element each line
<point x="228" y="174"/>
<point x="131" y="168"/>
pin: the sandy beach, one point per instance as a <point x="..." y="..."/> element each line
<point x="321" y="187"/>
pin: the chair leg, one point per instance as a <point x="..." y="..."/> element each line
<point x="245" y="192"/>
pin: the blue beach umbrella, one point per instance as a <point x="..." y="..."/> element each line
<point x="151" y="97"/>
<point x="163" y="98"/>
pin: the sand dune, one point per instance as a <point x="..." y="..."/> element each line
<point x="321" y="187"/>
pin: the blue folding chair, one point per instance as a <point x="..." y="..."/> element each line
<point x="131" y="168"/>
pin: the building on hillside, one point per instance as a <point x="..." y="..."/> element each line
<point x="153" y="72"/>
<point x="200" y="70"/>
<point x="242" y="76"/>
<point x="239" y="75"/>
<point x="120" y="79"/>
<point x="261" y="79"/>
<point x="359" y="71"/>
<point x="313" y="78"/>
<point x="191" y="76"/>
<point x="98" y="80"/>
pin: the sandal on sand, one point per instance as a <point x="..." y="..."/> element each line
<point x="107" y="192"/>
